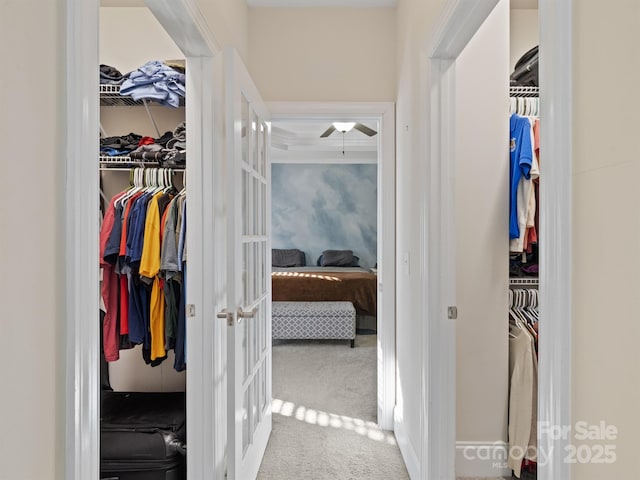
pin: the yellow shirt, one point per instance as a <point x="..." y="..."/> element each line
<point x="149" y="268"/>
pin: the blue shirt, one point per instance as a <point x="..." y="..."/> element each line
<point x="520" y="166"/>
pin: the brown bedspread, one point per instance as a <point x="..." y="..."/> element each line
<point x="359" y="288"/>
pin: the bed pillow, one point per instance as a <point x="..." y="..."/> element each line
<point x="291" y="257"/>
<point x="338" y="258"/>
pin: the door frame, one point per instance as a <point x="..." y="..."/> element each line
<point x="188" y="29"/>
<point x="384" y="113"/>
<point x="457" y="25"/>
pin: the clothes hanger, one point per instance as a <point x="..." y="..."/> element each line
<point x="135" y="181"/>
<point x="168" y="177"/>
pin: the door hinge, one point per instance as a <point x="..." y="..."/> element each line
<point x="191" y="310"/>
<point x="452" y="313"/>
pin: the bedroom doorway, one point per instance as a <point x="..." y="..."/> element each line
<point x="365" y="157"/>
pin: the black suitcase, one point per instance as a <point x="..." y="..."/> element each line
<point x="143" y="436"/>
<point x="525" y="71"/>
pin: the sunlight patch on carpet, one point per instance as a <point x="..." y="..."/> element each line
<point x="323" y="419"/>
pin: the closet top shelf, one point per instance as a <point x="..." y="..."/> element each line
<point x="524" y="91"/>
<point x="110" y="97"/>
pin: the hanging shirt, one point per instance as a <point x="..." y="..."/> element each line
<point x="182" y="240"/>
<point x="149" y="269"/>
<point x="169" y="253"/>
<point x="522" y="392"/>
<point x="138" y="291"/>
<point x="526" y="202"/>
<point x="180" y="361"/>
<point x="520" y="165"/>
<point x="109" y="289"/>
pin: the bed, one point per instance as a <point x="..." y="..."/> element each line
<point x="323" y="284"/>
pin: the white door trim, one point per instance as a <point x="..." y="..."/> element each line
<point x="384" y="112"/>
<point x="459" y="22"/>
<point x="186" y="25"/>
<point x="556" y="101"/>
<point x="81" y="241"/>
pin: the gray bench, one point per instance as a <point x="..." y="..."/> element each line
<point x="314" y="320"/>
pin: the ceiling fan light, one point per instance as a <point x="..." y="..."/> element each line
<point x="344" y="126"/>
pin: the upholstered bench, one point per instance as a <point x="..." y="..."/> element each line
<point x="313" y="320"/>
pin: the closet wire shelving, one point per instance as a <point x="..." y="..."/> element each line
<point x="515" y="282"/>
<point x="524" y="91"/>
<point x="110" y="97"/>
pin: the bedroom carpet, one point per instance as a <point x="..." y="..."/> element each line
<point x="324" y="414"/>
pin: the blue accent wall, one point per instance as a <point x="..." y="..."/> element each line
<point x="318" y="207"/>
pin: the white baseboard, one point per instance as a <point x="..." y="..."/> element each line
<point x="481" y="459"/>
<point x="411" y="460"/>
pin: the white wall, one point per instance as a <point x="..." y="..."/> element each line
<point x="229" y="22"/>
<point x="32" y="318"/>
<point x="227" y="19"/>
<point x="323" y="54"/>
<point x="482" y="253"/>
<point x="129" y="37"/>
<point x="605" y="380"/>
<point x="524" y="33"/>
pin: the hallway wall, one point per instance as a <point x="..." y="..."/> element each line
<point x="227" y="19"/>
<point x="32" y="295"/>
<point x="415" y="22"/>
<point x="323" y="54"/>
<point x="605" y="381"/>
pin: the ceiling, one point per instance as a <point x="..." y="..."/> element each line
<point x="292" y="139"/>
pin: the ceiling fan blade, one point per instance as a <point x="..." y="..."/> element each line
<point x="328" y="131"/>
<point x="364" y="129"/>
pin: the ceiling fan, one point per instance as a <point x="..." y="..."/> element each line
<point x="344" y="127"/>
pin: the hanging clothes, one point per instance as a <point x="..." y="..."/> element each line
<point x="138" y="296"/>
<point x="523" y="379"/>
<point x="526" y="205"/>
<point x="521" y="160"/>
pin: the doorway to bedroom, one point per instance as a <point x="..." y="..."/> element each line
<point x="332" y="231"/>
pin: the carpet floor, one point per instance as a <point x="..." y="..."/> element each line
<point x="324" y="415"/>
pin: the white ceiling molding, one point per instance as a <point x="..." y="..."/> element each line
<point x="349" y="157"/>
<point x="303" y="136"/>
<point x="322" y="3"/>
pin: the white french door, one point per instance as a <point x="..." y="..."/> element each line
<point x="248" y="272"/>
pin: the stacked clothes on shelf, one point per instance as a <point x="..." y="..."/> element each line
<point x="169" y="150"/>
<point x="110" y="75"/>
<point x="157" y="81"/>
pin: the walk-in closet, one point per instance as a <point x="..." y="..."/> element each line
<point x="526" y="173"/>
<point x="142" y="246"/>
